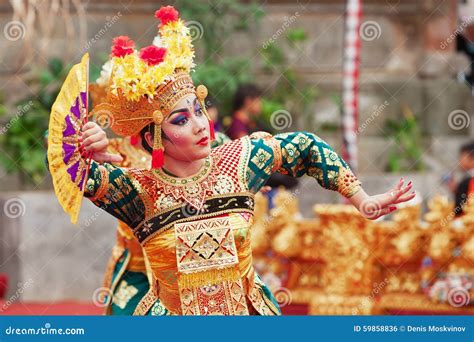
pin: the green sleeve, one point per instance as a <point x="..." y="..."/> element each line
<point x="110" y="188"/>
<point x="297" y="154"/>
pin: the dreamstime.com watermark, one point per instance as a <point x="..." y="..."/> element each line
<point x="281" y="120"/>
<point x="281" y="208"/>
<point x="113" y="197"/>
<point x="108" y="24"/>
<point x="21" y="110"/>
<point x="286" y="24"/>
<point x="375" y="113"/>
<point x="46" y="330"/>
<point x="456" y="32"/>
<point x="456" y="210"/>
<point x="16" y="295"/>
<point x="367" y="302"/>
<point x="91" y="219"/>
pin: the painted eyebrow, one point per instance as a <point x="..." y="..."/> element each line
<point x="181" y="110"/>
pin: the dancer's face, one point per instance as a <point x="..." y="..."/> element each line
<point x="187" y="131"/>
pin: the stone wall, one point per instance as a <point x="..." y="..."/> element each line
<point x="45" y="256"/>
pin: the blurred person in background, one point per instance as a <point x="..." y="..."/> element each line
<point x="247" y="108"/>
<point x="465" y="187"/>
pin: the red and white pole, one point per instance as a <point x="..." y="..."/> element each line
<point x="350" y="81"/>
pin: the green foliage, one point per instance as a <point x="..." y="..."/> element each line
<point x="296" y="36"/>
<point x="3" y="109"/>
<point x="22" y="138"/>
<point x="407" y="154"/>
<point x="219" y="20"/>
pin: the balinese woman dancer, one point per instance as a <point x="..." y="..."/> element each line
<point x="192" y="211"/>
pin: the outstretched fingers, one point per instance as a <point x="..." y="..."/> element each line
<point x="405" y="198"/>
<point x="393" y="195"/>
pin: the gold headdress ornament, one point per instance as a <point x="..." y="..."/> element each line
<point x="144" y="85"/>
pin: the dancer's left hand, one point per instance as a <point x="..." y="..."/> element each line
<point x="373" y="207"/>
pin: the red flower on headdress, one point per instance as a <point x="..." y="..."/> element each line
<point x="123" y="46"/>
<point x="152" y="54"/>
<point x="167" y="14"/>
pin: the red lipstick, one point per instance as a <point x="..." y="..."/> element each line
<point x="203" y="141"/>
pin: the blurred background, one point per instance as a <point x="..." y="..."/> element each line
<point x="412" y="115"/>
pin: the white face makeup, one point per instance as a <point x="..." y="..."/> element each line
<point x="187" y="130"/>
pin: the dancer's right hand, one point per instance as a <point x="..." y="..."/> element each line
<point x="95" y="140"/>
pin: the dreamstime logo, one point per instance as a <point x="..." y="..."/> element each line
<point x="14" y="208"/>
<point x="281" y="119"/>
<point x="14" y="30"/>
<point x="196" y="30"/>
<point x="458" y="119"/>
<point x="102" y="297"/>
<point x="283" y="296"/>
<point x="458" y="296"/>
<point x="188" y="210"/>
<point x="370" y="30"/>
<point x="104" y="118"/>
<point x="370" y="208"/>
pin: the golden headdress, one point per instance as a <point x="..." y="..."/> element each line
<point x="144" y="85"/>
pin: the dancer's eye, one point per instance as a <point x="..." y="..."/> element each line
<point x="198" y="110"/>
<point x="180" y="120"/>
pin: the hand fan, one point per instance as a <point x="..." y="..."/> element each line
<point x="69" y="113"/>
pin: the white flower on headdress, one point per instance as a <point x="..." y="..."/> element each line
<point x="157" y="41"/>
<point x="105" y="73"/>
